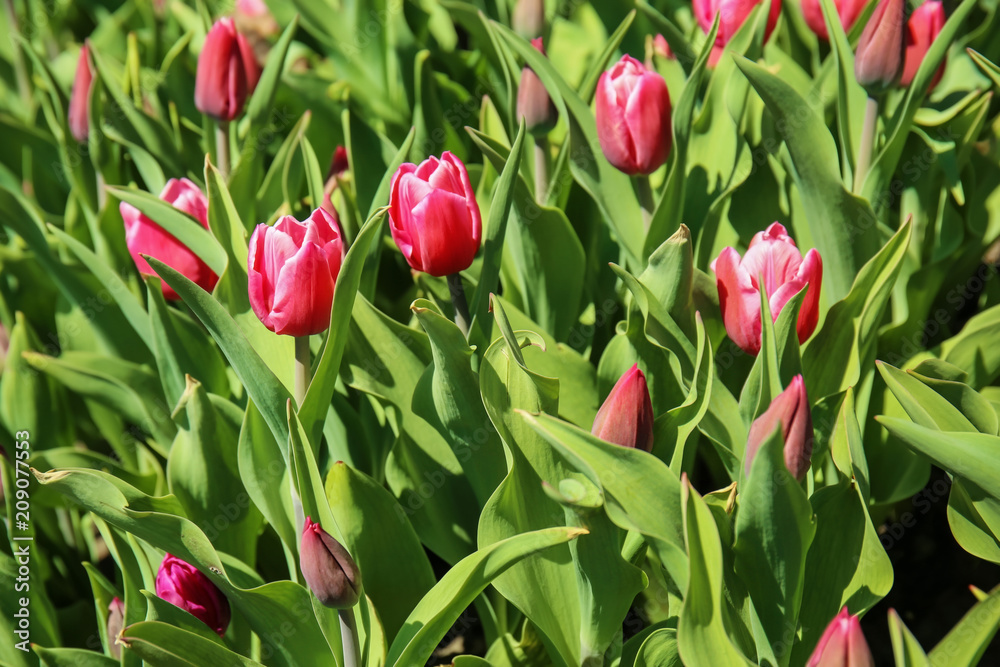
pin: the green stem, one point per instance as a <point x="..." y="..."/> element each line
<point x="222" y="148"/>
<point x="349" y="638"/>
<point x="867" y="144"/>
<point x="302" y="365"/>
<point x="646" y="200"/>
<point x="462" y="318"/>
<point x="541" y="170"/>
<point x="20" y="71"/>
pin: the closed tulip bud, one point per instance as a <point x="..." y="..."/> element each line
<point x="338" y="163"/>
<point x="227" y="72"/>
<point x="182" y="585"/>
<point x="626" y="417"/>
<point x="79" y="123"/>
<point x="293" y="270"/>
<point x="847" y="11"/>
<point x="922" y="29"/>
<point x="434" y="217"/>
<point x="633" y="117"/>
<point x="790" y="411"/>
<point x="116" y="621"/>
<point x="879" y="59"/>
<point x="732" y="15"/>
<point x="145" y="237"/>
<point x="328" y="569"/>
<point x="534" y="104"/>
<point x="773" y="258"/>
<point x="528" y="19"/>
<point x="662" y="48"/>
<point x="842" y="644"/>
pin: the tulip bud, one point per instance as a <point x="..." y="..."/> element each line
<point x="328" y="569"/>
<point x="528" y="19"/>
<point x="116" y="620"/>
<point x="338" y="163"/>
<point x="772" y="258"/>
<point x="633" y="117"/>
<point x="227" y="72"/>
<point x="922" y="29"/>
<point x="842" y="644"/>
<point x="879" y="60"/>
<point x="434" y="217"/>
<point x="293" y="270"/>
<point x="182" y="585"/>
<point x="79" y="123"/>
<point x="662" y="48"/>
<point x="145" y="237"/>
<point x="847" y="11"/>
<point x="626" y="417"/>
<point x="534" y="104"/>
<point x="732" y="15"/>
<point x="790" y="411"/>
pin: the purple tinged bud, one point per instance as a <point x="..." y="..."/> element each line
<point x="329" y="570"/>
<point x="878" y="63"/>
<point x="116" y="620"/>
<point x="626" y="417"/>
<point x="528" y="19"/>
<point x="842" y="644"/>
<point x="183" y="585"/>
<point x="534" y="104"/>
<point x="790" y="411"/>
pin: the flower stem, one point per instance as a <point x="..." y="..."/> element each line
<point x="541" y="170"/>
<point x="867" y="144"/>
<point x="222" y="147"/>
<point x="646" y="200"/>
<point x="349" y="637"/>
<point x="462" y="318"/>
<point x="302" y="366"/>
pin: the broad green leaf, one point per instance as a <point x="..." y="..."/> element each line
<point x="659" y="650"/>
<point x="774" y="528"/>
<point x="848" y="332"/>
<point x="847" y="446"/>
<point x="163" y="645"/>
<point x="924" y="405"/>
<point x="850" y="95"/>
<point x="974" y="350"/>
<point x="965" y="644"/>
<point x="702" y="638"/>
<point x="73" y="657"/>
<point x="974" y="406"/>
<point x="441" y="607"/>
<point x="261" y="384"/>
<point x="677" y="425"/>
<point x="447" y="396"/>
<point x="396" y="571"/>
<point x="640" y="492"/>
<point x="967" y="455"/>
<point x="842" y="225"/>
<point x="778" y="360"/>
<point x="158" y="609"/>
<point x="974" y="518"/>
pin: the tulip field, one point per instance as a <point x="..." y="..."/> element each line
<point x="510" y="333"/>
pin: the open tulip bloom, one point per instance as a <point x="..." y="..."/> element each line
<point x="521" y="333"/>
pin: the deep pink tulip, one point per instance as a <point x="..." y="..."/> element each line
<point x="732" y="14"/>
<point x="534" y="104"/>
<point x="879" y="58"/>
<point x="790" y="411"/>
<point x="293" y="269"/>
<point x="923" y="27"/>
<point x="79" y="123"/>
<point x="626" y="417"/>
<point x="847" y="10"/>
<point x="772" y="257"/>
<point x="227" y="72"/>
<point x="182" y="585"/>
<point x="633" y="117"/>
<point x="434" y="217"/>
<point x="329" y="571"/>
<point x="145" y="237"/>
<point x="842" y="644"/>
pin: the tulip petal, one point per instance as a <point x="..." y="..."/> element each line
<point x="612" y="131"/>
<point x="647" y="118"/>
<point x="739" y="301"/>
<point x="441" y="227"/>
<point x="776" y="262"/>
<point x="303" y="296"/>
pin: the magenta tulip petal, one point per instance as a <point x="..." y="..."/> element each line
<point x="304" y="295"/>
<point x="626" y="416"/>
<point x="79" y="121"/>
<point x="739" y="301"/>
<point x="182" y="585"/>
<point x="789" y="411"/>
<point x="632" y="111"/>
<point x="227" y="72"/>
